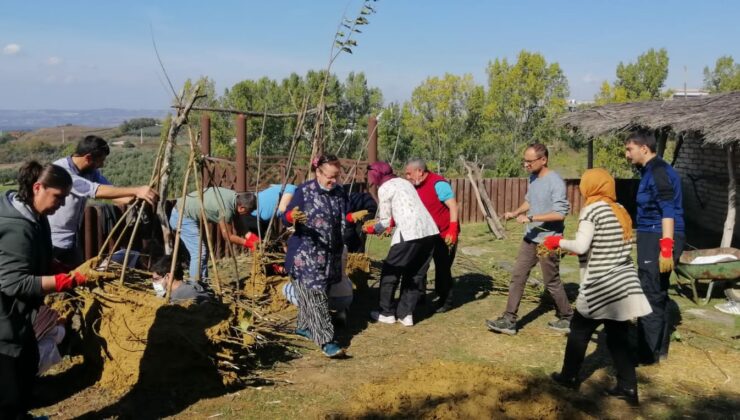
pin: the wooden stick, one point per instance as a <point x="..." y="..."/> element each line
<point x="230" y="248"/>
<point x="209" y="243"/>
<point x="180" y="217"/>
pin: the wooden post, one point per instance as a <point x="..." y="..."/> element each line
<point x="205" y="146"/>
<point x="661" y="137"/>
<point x="372" y="144"/>
<point x="91" y="231"/>
<point x="590" y="158"/>
<point x="241" y="153"/>
<point x="729" y="229"/>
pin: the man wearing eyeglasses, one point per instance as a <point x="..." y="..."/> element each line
<point x="543" y="211"/>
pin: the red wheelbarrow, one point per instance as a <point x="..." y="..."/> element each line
<point x="728" y="271"/>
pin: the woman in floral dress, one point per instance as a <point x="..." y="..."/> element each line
<point x="314" y="257"/>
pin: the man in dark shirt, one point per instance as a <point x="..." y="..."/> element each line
<point x="660" y="239"/>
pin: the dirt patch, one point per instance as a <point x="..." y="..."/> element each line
<point x="452" y="390"/>
<point x="134" y="339"/>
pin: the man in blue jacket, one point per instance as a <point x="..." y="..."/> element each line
<point x="660" y="239"/>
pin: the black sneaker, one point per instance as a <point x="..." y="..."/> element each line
<point x="502" y="325"/>
<point x="629" y="395"/>
<point x="443" y="306"/>
<point x="571" y="383"/>
<point x="560" y="325"/>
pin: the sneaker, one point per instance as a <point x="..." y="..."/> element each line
<point x="332" y="350"/>
<point x="571" y="383"/>
<point x="303" y="332"/>
<point x="407" y="321"/>
<point x="502" y="325"/>
<point x="730" y="307"/>
<point x="560" y="325"/>
<point x="376" y="316"/>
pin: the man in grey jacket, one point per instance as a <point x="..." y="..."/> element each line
<point x="543" y="211"/>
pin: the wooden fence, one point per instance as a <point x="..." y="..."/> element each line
<point x="507" y="194"/>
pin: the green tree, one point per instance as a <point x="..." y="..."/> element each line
<point x="437" y="117"/>
<point x="524" y="100"/>
<point x="638" y="81"/>
<point x="725" y="77"/>
<point x="394" y="142"/>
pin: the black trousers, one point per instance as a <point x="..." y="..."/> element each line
<point x="17" y="378"/>
<point x="255" y="225"/>
<point x="71" y="257"/>
<point x="443" y="258"/>
<point x="408" y="262"/>
<point x="654" y="328"/>
<point x="617" y="332"/>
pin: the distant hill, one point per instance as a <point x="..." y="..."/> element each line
<point x="32" y="119"/>
<point x="72" y="133"/>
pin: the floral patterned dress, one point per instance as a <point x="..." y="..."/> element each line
<point x="314" y="255"/>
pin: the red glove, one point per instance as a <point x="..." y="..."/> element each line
<point x="552" y="242"/>
<point x="69" y="281"/>
<point x="369" y="229"/>
<point x="278" y="268"/>
<point x="451" y="235"/>
<point x="665" y="260"/>
<point x="356" y="216"/>
<point x="251" y="240"/>
<point x="296" y="216"/>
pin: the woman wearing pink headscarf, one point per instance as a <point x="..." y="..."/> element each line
<point x="411" y="245"/>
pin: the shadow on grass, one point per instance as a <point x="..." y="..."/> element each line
<point x="177" y="367"/>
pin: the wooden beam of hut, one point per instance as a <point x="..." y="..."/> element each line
<point x="729" y="228"/>
<point x="254" y="113"/>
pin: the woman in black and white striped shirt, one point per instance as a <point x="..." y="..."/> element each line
<point x="610" y="291"/>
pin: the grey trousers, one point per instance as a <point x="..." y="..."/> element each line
<point x="550" y="265"/>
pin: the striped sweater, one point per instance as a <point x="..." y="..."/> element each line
<point x="610" y="288"/>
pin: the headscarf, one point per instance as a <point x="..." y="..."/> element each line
<point x="598" y="185"/>
<point x="379" y="172"/>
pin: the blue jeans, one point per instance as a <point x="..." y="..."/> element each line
<point x="189" y="232"/>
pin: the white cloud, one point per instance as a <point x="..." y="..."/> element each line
<point x="53" y="61"/>
<point x="11" y="49"/>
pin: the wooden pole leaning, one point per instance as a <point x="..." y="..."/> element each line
<point x="180" y="217"/>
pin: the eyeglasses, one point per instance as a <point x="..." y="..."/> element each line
<point x="332" y="177"/>
<point x="529" y="162"/>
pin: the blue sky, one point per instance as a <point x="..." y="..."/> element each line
<point x="85" y="54"/>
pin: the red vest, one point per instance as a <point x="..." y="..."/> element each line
<point x="440" y="213"/>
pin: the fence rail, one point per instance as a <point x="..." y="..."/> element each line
<point x="507" y="194"/>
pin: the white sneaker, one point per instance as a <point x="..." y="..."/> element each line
<point x="730" y="307"/>
<point x="385" y="319"/>
<point x="407" y="321"/>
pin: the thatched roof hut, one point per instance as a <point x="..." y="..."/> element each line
<point x="709" y="129"/>
<point x="715" y="117"/>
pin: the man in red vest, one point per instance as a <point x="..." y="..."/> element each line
<point x="439" y="199"/>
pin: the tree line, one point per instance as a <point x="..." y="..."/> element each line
<point x="447" y="116"/>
